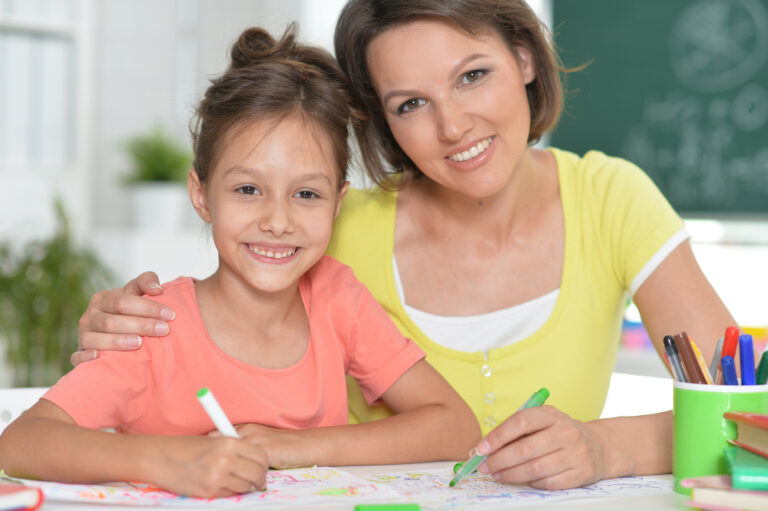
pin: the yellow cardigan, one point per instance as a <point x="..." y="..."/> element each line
<point x="615" y="221"/>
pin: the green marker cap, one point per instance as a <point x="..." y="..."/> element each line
<point x="402" y="506"/>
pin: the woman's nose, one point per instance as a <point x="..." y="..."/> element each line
<point x="453" y="121"/>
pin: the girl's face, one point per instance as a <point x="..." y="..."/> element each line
<point x="271" y="199"/>
<point x="456" y="103"/>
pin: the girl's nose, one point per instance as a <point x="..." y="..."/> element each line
<point x="276" y="218"/>
<point x="453" y="121"/>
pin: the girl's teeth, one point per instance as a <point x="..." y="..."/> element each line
<point x="472" y="152"/>
<point x="272" y="254"/>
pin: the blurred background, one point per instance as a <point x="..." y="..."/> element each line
<point x="94" y="93"/>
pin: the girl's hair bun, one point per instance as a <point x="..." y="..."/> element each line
<point x="257" y="45"/>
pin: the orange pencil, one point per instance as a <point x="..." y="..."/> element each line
<point x="700" y="361"/>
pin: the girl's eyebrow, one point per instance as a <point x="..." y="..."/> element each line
<point x="455" y="69"/>
<point x="311" y="176"/>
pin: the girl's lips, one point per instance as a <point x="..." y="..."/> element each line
<point x="272" y="255"/>
<point x="476" y="162"/>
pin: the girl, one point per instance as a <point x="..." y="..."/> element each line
<point x="272" y="332"/>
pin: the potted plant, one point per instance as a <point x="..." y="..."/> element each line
<point x="44" y="289"/>
<point x="159" y="171"/>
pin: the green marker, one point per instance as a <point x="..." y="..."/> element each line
<point x="537" y="399"/>
<point x="762" y="369"/>
<point x="395" y="506"/>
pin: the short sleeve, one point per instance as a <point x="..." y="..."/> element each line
<point x="377" y="353"/>
<point x="636" y="219"/>
<point x="110" y="391"/>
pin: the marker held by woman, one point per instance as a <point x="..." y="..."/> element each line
<point x="537" y="399"/>
<point x="214" y="411"/>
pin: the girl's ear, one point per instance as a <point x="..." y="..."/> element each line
<point x="341" y="195"/>
<point x="527" y="67"/>
<point x="198" y="196"/>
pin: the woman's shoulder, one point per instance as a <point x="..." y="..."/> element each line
<point x="598" y="173"/>
<point x="366" y="202"/>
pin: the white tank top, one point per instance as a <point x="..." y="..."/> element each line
<point x="500" y="328"/>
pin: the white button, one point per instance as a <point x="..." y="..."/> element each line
<point x="489" y="422"/>
<point x="489" y="398"/>
<point x="486" y="370"/>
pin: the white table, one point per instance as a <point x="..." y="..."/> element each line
<point x="666" y="502"/>
<point x="628" y="395"/>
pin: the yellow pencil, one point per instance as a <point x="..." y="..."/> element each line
<point x="700" y="361"/>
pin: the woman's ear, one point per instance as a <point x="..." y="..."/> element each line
<point x="198" y="196"/>
<point x="526" y="62"/>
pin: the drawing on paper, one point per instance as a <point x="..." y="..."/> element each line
<point x="307" y="486"/>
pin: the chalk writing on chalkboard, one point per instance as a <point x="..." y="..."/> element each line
<point x="698" y="122"/>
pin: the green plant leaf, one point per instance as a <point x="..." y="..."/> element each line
<point x="44" y="289"/>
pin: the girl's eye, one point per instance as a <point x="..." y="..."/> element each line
<point x="472" y="76"/>
<point x="247" y="190"/>
<point x="410" y="105"/>
<point x="306" y="194"/>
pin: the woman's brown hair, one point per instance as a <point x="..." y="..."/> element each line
<point x="268" y="80"/>
<point x="362" y="20"/>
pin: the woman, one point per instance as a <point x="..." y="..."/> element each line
<point x="508" y="265"/>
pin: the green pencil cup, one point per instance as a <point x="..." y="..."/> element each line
<point x="701" y="433"/>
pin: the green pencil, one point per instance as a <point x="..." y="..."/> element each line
<point x="537" y="399"/>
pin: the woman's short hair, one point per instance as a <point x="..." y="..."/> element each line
<point x="362" y="20"/>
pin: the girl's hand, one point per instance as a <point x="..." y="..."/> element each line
<point x="117" y="318"/>
<point x="210" y="467"/>
<point x="284" y="448"/>
<point x="545" y="448"/>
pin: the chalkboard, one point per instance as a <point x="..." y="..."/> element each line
<point x="679" y="87"/>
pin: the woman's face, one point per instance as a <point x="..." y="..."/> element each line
<point x="456" y="103"/>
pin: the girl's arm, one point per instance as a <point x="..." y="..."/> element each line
<point x="45" y="443"/>
<point x="548" y="449"/>
<point x="432" y="422"/>
<point x="116" y="319"/>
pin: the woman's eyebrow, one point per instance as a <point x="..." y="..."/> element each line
<point x="455" y="69"/>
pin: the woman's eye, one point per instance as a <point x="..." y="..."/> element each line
<point x="247" y="190"/>
<point x="306" y="194"/>
<point x="472" y="76"/>
<point x="410" y="105"/>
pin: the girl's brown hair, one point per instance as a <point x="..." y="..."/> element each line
<point x="362" y="20"/>
<point x="268" y="80"/>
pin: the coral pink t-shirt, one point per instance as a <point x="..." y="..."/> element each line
<point x="153" y="390"/>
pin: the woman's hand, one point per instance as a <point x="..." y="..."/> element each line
<point x="547" y="449"/>
<point x="116" y="319"/>
<point x="210" y="467"/>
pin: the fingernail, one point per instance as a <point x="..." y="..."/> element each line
<point x="156" y="285"/>
<point x="483" y="448"/>
<point x="482" y="468"/>
<point x="161" y="329"/>
<point x="93" y="355"/>
<point x="167" y="314"/>
<point x="132" y="341"/>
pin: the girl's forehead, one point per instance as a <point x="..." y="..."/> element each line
<point x="284" y="144"/>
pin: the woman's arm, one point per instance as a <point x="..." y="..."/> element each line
<point x="547" y="449"/>
<point x="432" y="422"/>
<point x="45" y="443"/>
<point x="116" y="319"/>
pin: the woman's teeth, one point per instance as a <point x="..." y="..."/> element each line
<point x="473" y="151"/>
<point x="275" y="254"/>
